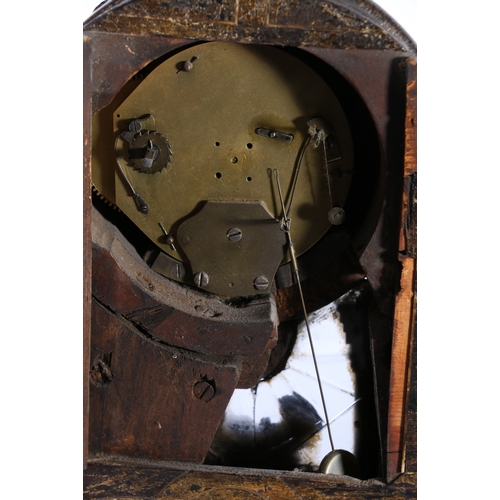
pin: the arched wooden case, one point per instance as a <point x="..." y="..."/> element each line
<point x="161" y="358"/>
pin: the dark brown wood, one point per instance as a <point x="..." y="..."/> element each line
<point x="343" y="274"/>
<point x="320" y="23"/>
<point x="252" y="370"/>
<point x="176" y="481"/>
<point x="87" y="241"/>
<point x="410" y="458"/>
<point x="171" y="313"/>
<point x="120" y="45"/>
<point x="118" y="57"/>
<point x="144" y="398"/>
<point x="372" y="73"/>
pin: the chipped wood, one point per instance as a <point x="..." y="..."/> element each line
<point x="105" y="481"/>
<point x="143" y="398"/>
<point x="403" y="323"/>
<point x="316" y="25"/>
<point x="333" y="23"/>
<point x="404" y="314"/>
<point x="171" y="313"/>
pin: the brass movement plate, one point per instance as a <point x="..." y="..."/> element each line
<point x="210" y="115"/>
<point x="233" y="267"/>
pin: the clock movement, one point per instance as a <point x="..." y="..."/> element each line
<point x="250" y="191"/>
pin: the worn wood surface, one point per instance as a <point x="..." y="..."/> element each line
<point x="410" y="457"/>
<point x="380" y="78"/>
<point x="172" y="313"/>
<point x="148" y="400"/>
<point x="405" y="309"/>
<point x="87" y="240"/>
<point x="332" y="23"/>
<point x="119" y="56"/>
<point x="176" y="481"/>
<point x="250" y="24"/>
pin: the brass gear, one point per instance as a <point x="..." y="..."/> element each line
<point x="162" y="151"/>
<point x="104" y="199"/>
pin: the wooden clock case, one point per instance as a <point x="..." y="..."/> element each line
<point x="128" y="402"/>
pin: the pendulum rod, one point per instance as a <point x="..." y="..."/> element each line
<point x="285" y="226"/>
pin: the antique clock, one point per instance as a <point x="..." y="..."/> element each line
<point x="250" y="248"/>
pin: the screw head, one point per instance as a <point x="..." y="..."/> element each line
<point x="204" y="390"/>
<point x="188" y="66"/>
<point x="234" y="234"/>
<point x="201" y="279"/>
<point x="178" y="271"/>
<point x="135" y="126"/>
<point x="261" y="283"/>
<point x="336" y="216"/>
<point x="100" y="372"/>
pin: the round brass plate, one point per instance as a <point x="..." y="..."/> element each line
<point x="210" y="115"/>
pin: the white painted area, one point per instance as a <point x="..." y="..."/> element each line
<point x="299" y="376"/>
<point x="267" y="405"/>
<point x="240" y="405"/>
<point x="338" y="382"/>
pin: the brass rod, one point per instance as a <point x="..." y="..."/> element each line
<point x="286" y="227"/>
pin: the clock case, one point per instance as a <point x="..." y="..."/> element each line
<point x="373" y="63"/>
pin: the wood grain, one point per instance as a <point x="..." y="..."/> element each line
<point x="405" y="308"/>
<point x="171" y="313"/>
<point x="87" y="240"/>
<point x="142" y="398"/>
<point x="104" y="481"/>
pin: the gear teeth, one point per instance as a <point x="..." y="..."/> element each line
<point x="164" y="140"/>
<point x="104" y="199"/>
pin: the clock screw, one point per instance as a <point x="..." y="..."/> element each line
<point x="234" y="234"/>
<point x="135" y="126"/>
<point x="201" y="280"/>
<point x="178" y="271"/>
<point x="261" y="283"/>
<point x="188" y="65"/>
<point x="336" y="216"/>
<point x="204" y="390"/>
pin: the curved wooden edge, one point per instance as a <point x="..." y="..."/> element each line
<point x="334" y="23"/>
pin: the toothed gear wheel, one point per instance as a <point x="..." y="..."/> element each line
<point x="150" y="152"/>
<point x="104" y="199"/>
